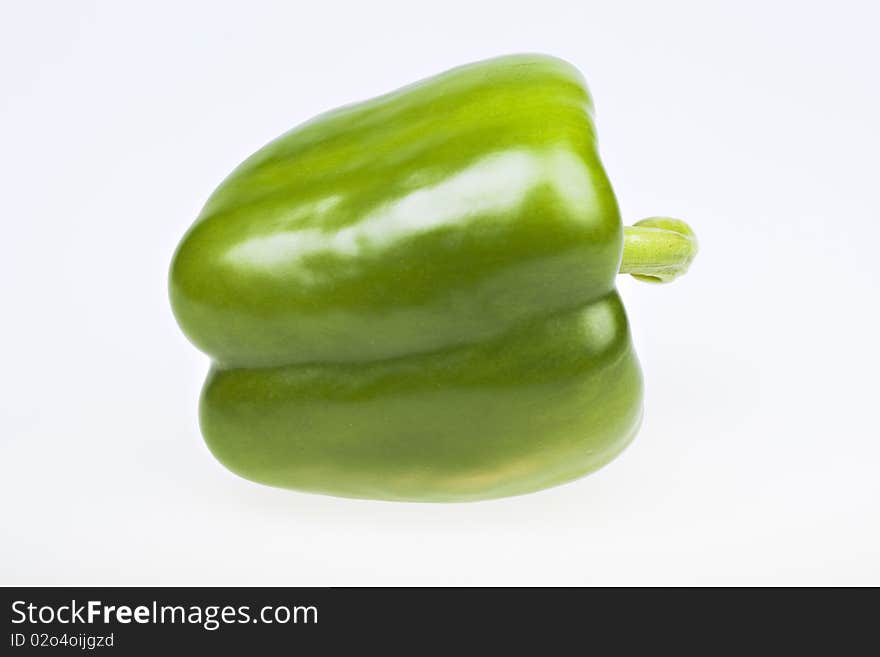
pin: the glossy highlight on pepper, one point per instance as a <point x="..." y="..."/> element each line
<point x="412" y="298"/>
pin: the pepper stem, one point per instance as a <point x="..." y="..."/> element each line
<point x="658" y="249"/>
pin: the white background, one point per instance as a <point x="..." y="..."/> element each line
<point x="757" y="122"/>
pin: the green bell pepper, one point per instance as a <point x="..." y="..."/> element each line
<point x="412" y="298"/>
